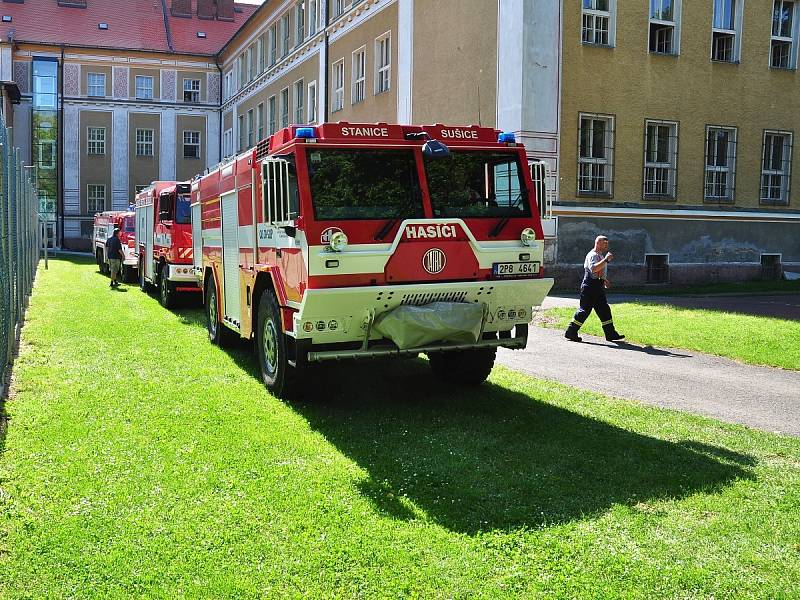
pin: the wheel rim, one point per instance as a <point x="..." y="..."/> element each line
<point x="212" y="312"/>
<point x="270" y="344"/>
<point x="164" y="289"/>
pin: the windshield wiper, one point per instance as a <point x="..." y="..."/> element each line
<point x="502" y="222"/>
<point x="400" y="214"/>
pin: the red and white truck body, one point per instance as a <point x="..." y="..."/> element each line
<point x="306" y="242"/>
<point x="164" y="239"/>
<point x="104" y="225"/>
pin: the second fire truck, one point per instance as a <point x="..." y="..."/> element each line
<point x="348" y="241"/>
<point x="104" y="225"/>
<point x="164" y="240"/>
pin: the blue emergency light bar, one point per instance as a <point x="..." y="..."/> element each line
<point x="306" y="133"/>
<point x="507" y="138"/>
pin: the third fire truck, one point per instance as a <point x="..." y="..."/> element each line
<point x="104" y="225"/>
<point x="164" y="239"/>
<point x="348" y="241"/>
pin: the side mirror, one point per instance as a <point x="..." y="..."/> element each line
<point x="435" y="149"/>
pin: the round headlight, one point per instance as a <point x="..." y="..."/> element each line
<point x="338" y="241"/>
<point x="528" y="236"/>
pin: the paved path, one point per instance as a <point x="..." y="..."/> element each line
<point x="760" y="397"/>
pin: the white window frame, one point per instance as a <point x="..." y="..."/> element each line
<point x="251" y="127"/>
<point x="792" y="39"/>
<point x="593" y="14"/>
<point x="228" y="85"/>
<point x="240" y="124"/>
<point x="592" y="163"/>
<point x="339" y="6"/>
<point x="337" y="78"/>
<point x="260" y="113"/>
<point x="272" y="114"/>
<point x="93" y="198"/>
<point x="145" y="142"/>
<point x="299" y="102"/>
<point x="786" y="175"/>
<point x="715" y="172"/>
<point x="51" y="164"/>
<point x="193" y="90"/>
<point x="273" y="44"/>
<point x="194" y="141"/>
<point x="261" y="49"/>
<point x="738" y="9"/>
<point x="284" y="108"/>
<point x="299" y="23"/>
<point x="96" y="141"/>
<point x="252" y="62"/>
<point x="90" y="85"/>
<point x="359" y="90"/>
<point x="383" y="71"/>
<point x="286" y="34"/>
<point x="313" y="16"/>
<point x="675" y="23"/>
<point x="143" y="91"/>
<point x="312" y="102"/>
<point x="653" y="169"/>
<point x="227" y="143"/>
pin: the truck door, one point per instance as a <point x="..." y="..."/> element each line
<point x="197" y="242"/>
<point x="230" y="256"/>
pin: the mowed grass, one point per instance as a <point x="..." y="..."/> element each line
<point x="746" y="338"/>
<point x="140" y="461"/>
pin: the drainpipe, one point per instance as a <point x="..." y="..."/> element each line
<point x="60" y="194"/>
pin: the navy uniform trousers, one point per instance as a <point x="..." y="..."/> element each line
<point x="593" y="297"/>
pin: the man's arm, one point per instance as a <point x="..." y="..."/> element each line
<point x="598" y="267"/>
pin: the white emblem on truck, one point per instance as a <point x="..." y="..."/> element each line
<point x="434" y="261"/>
<point x="325" y="238"/>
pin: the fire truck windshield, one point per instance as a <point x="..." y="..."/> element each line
<point x="477" y="184"/>
<point x="183" y="210"/>
<point x="364" y="184"/>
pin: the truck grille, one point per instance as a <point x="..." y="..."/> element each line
<point x="427" y="298"/>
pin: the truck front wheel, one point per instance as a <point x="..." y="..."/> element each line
<point x="217" y="333"/>
<point x="470" y="367"/>
<point x="279" y="377"/>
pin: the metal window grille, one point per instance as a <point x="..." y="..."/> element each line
<point x="720" y="165"/>
<point x="95" y="198"/>
<point x="144" y="142"/>
<point x="191" y="90"/>
<point x="299" y="102"/>
<point x="383" y="52"/>
<point x="359" y="75"/>
<point x="544" y="182"/>
<point x="144" y="87"/>
<point x="338" y="85"/>
<point x="657" y="267"/>
<point x="96" y="140"/>
<point x="771" y="267"/>
<point x="97" y="84"/>
<point x="191" y="144"/>
<point x="776" y="163"/>
<point x="595" y="155"/>
<point x="660" y="160"/>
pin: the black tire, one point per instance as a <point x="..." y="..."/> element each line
<point x="217" y="332"/>
<point x="166" y="290"/>
<point x="468" y="367"/>
<point x="127" y="273"/>
<point x="280" y="378"/>
<point x="143" y="284"/>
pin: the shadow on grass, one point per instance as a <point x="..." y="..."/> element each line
<point x="477" y="459"/>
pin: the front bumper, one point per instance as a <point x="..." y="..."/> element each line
<point x="337" y="315"/>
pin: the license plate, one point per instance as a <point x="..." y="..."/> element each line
<point x="515" y="269"/>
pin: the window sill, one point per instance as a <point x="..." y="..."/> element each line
<point x="787" y="69"/>
<point x="718" y="61"/>
<point x="386" y="91"/>
<point x="596" y="45"/>
<point x="596" y="195"/>
<point x="659" y="197"/>
<point x="357" y="102"/>
<point x="718" y="201"/>
<point x="664" y="54"/>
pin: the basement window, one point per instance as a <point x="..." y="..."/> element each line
<point x="657" y="266"/>
<point x="201" y="34"/>
<point x="102" y="25"/>
<point x="771" y="267"/>
<point x="6" y="18"/>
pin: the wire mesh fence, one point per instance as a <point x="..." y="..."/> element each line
<point x="20" y="240"/>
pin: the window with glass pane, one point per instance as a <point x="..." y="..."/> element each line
<point x="273" y="115"/>
<point x="359" y="75"/>
<point x="725" y="31"/>
<point x="285" y="34"/>
<point x="313" y="17"/>
<point x="47" y="154"/>
<point x="261" y="47"/>
<point x="227" y="143"/>
<point x="783" y="35"/>
<point x="45" y="78"/>
<point x="300" y="23"/>
<point x="312" y="102"/>
<point x="595" y="152"/>
<point x="191" y="144"/>
<point x="273" y="45"/>
<point x="96" y="140"/>
<point x="596" y="17"/>
<point x="338" y="7"/>
<point x="338" y="85"/>
<point x="191" y="90"/>
<point x="383" y="63"/>
<point x="720" y="167"/>
<point x="144" y="142"/>
<point x="260" y="119"/>
<point x="776" y="167"/>
<point x="284" y="107"/>
<point x="663" y="26"/>
<point x="242" y="133"/>
<point x="477" y="184"/>
<point x="364" y="184"/>
<point x="251" y="124"/>
<point x="299" y="102"/>
<point x="96" y="198"/>
<point x="660" y="159"/>
<point x="144" y="87"/>
<point x="97" y="85"/>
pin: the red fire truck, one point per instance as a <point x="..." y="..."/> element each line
<point x="104" y="225"/>
<point x="346" y="241"/>
<point x="164" y="240"/>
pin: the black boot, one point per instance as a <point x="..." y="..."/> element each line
<point x="612" y="335"/>
<point x="572" y="333"/>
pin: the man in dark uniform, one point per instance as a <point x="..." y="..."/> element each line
<point x="593" y="293"/>
<point x="115" y="256"/>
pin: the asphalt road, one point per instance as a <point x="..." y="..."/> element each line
<point x="759" y="397"/>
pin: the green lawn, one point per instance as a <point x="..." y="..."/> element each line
<point x="140" y="461"/>
<point x="755" y="340"/>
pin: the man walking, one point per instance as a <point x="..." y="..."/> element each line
<point x="115" y="257"/>
<point x="593" y="292"/>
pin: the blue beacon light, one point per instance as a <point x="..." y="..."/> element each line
<point x="507" y="138"/>
<point x="306" y="133"/>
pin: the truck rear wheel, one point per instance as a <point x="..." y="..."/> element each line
<point x="217" y="332"/>
<point x="278" y="375"/>
<point x="166" y="291"/>
<point x="469" y="367"/>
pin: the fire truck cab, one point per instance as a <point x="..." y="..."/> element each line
<point x="164" y="240"/>
<point x="348" y="241"/>
<point x="104" y="225"/>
